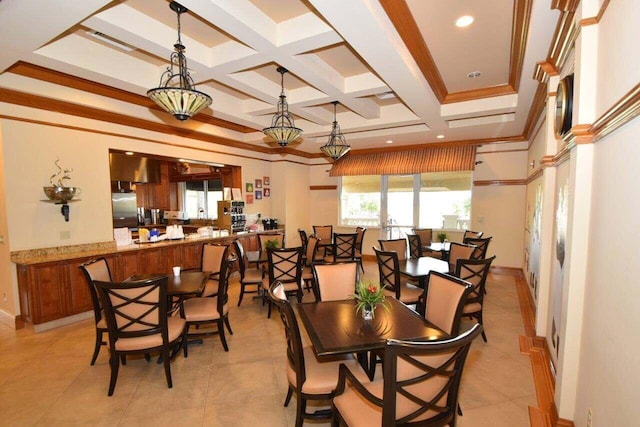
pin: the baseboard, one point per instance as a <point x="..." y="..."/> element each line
<point x="10" y="320"/>
<point x="541" y="364"/>
<point x="41" y="327"/>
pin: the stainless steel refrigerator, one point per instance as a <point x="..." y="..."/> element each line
<point x="125" y="210"/>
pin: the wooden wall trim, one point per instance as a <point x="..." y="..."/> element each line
<point x="537" y="349"/>
<point x="56" y="77"/>
<point x="621" y="113"/>
<point x="595" y="19"/>
<point x="537" y="108"/>
<point x="400" y="15"/>
<point x="494" y="182"/>
<point x="323" y="187"/>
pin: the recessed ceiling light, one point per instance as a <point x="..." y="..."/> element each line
<point x="474" y="74"/>
<point x="440" y="136"/>
<point x="129" y="153"/>
<point x="389" y="141"/>
<point x="464" y="21"/>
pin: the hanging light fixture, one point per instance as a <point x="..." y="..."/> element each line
<point x="177" y="93"/>
<point x="282" y="130"/>
<point x="337" y="145"/>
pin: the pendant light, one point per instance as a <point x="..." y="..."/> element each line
<point x="177" y="94"/>
<point x="337" y="145"/>
<point x="283" y="129"/>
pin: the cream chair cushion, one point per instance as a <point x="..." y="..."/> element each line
<point x="175" y="326"/>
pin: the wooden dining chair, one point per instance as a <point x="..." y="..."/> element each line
<point x="426" y="237"/>
<point x="303" y="239"/>
<point x="444" y="301"/>
<point x="481" y="246"/>
<point x="459" y="251"/>
<point x="325" y="234"/>
<point x="359" y="241"/>
<point x="248" y="276"/>
<point x="212" y="256"/>
<point x="391" y="279"/>
<point x="335" y="281"/>
<point x="277" y="238"/>
<point x="308" y="376"/>
<point x="343" y="248"/>
<point x="97" y="269"/>
<point x="285" y="266"/>
<point x="138" y="322"/>
<point x="209" y="310"/>
<point x="415" y="246"/>
<point x="310" y="258"/>
<point x="397" y="245"/>
<point x="468" y="234"/>
<point x="474" y="271"/>
<point x="420" y="385"/>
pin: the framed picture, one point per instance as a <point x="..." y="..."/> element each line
<point x="267" y="192"/>
<point x="258" y="183"/>
<point x="249" y="199"/>
<point x="266" y="181"/>
<point x="249" y="187"/>
<point x="258" y="194"/>
<point x="237" y="194"/>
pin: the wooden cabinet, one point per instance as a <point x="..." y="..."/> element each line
<point x="57" y="289"/>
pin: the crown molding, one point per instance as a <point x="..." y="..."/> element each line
<point x="537" y="108"/>
<point x="400" y="15"/>
<point x="595" y="19"/>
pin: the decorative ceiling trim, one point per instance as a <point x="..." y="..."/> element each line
<point x="49" y="104"/>
<point x="565" y="34"/>
<point x="537" y="108"/>
<point x="544" y="70"/>
<point x="56" y="77"/>
<point x="493" y="182"/>
<point x="400" y="15"/>
<point x="622" y="112"/>
<point x="323" y="187"/>
<point x="595" y="19"/>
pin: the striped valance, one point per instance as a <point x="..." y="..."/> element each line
<point x="443" y="159"/>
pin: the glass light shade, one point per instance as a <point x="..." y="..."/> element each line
<point x="337" y="145"/>
<point x="283" y="135"/>
<point x="181" y="103"/>
<point x="283" y="129"/>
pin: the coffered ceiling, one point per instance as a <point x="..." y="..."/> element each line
<point x="398" y="68"/>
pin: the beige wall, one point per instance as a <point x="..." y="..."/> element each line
<point x="8" y="300"/>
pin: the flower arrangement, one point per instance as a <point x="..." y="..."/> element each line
<point x="272" y="244"/>
<point x="369" y="295"/>
<point x="442" y="237"/>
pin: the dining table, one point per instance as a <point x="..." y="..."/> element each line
<point x="335" y="328"/>
<point x="185" y="285"/>
<point x="419" y="268"/>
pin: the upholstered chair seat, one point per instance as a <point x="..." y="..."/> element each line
<point x="203" y="309"/>
<point x="175" y="327"/>
<point x="409" y="294"/>
<point x="211" y="288"/>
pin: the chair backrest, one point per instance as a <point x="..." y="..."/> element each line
<point x="242" y="261"/>
<point x="482" y="245"/>
<point x="415" y="245"/>
<point x="96" y="269"/>
<point x="389" y="270"/>
<point x="360" y="239"/>
<point x="285" y="265"/>
<point x="397" y="245"/>
<point x="426" y="234"/>
<point x="264" y="238"/>
<point x="303" y="239"/>
<point x="212" y="256"/>
<point x="295" y="355"/>
<point x="446" y="296"/>
<point x="425" y="376"/>
<point x="474" y="271"/>
<point x="134" y="309"/>
<point x="472" y="234"/>
<point x="324" y="232"/>
<point x="459" y="251"/>
<point x="312" y="249"/>
<point x="335" y="281"/>
<point x="344" y="246"/>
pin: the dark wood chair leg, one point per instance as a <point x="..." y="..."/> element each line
<point x="96" y="349"/>
<point x="226" y="322"/>
<point x="123" y="359"/>
<point x="166" y="357"/>
<point x="300" y="409"/>
<point x="222" y="337"/>
<point x="289" y="395"/>
<point x="115" y="364"/>
<point x="241" y="294"/>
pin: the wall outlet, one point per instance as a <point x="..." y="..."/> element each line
<point x="590" y="418"/>
<point x="65" y="235"/>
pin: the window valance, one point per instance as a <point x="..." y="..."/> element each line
<point x="442" y="159"/>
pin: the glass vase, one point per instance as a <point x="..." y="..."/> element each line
<point x="367" y="311"/>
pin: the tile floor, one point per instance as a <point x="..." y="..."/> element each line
<point x="46" y="379"/>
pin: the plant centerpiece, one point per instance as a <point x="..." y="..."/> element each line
<point x="442" y="237"/>
<point x="272" y="244"/>
<point x="368" y="296"/>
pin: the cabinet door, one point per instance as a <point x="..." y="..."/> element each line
<point x="127" y="266"/>
<point x="171" y="256"/>
<point x="191" y="256"/>
<point x="78" y="293"/>
<point x="49" y="296"/>
<point x="151" y="262"/>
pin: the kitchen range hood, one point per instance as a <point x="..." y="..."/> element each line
<point x="134" y="168"/>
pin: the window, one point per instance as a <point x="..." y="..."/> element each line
<point x="428" y="200"/>
<point x="360" y="200"/>
<point x="201" y="198"/>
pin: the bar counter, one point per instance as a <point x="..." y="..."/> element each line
<point x="53" y="290"/>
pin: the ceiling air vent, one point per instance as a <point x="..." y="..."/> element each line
<point x="113" y="42"/>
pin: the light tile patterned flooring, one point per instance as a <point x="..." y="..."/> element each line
<point x="46" y="379"/>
